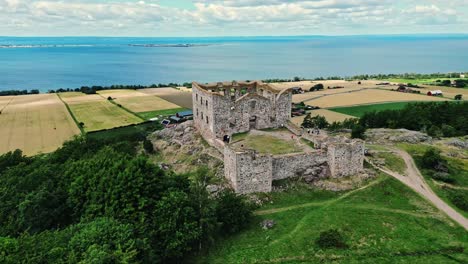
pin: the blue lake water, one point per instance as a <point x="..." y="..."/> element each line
<point x="51" y="63"/>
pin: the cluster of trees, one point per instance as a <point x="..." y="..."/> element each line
<point x="98" y="201"/>
<point x="95" y="88"/>
<point x="320" y="122"/>
<point x="446" y="119"/>
<point x="459" y="83"/>
<point x="415" y="76"/>
<point x="18" y="92"/>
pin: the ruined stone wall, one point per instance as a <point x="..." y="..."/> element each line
<point x="248" y="171"/>
<point x="345" y="158"/>
<point x="294" y="165"/>
<point x="283" y="108"/>
<point x="203" y="113"/>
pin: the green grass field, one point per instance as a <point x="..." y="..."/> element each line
<point x="98" y="115"/>
<point x="159" y="113"/>
<point x="360" y="110"/>
<point x="382" y="222"/>
<point x="458" y="170"/>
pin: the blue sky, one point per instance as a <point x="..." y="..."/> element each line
<point x="230" y="17"/>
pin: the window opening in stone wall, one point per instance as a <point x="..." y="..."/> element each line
<point x="253" y="104"/>
<point x="206" y="103"/>
<point x="207" y="120"/>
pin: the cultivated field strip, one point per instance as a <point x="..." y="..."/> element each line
<point x="331" y="116"/>
<point x="182" y="97"/>
<point x="369" y="96"/>
<point x="138" y="102"/>
<point x="35" y="123"/>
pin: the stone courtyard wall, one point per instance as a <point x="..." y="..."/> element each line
<point x="248" y="171"/>
<point x="294" y="165"/>
<point x="345" y="158"/>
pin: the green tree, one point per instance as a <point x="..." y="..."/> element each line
<point x="315" y="122"/>
<point x="233" y="212"/>
<point x="358" y="131"/>
<point x="148" y="146"/>
<point x="317" y="87"/>
<point x="175" y="225"/>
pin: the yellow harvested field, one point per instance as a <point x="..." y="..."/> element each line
<point x="76" y="97"/>
<point x="369" y="96"/>
<point x="331" y="116"/>
<point x="4" y="101"/>
<point x="137" y="101"/>
<point x="35" y="124"/>
<point x="145" y="103"/>
<point x="182" y="98"/>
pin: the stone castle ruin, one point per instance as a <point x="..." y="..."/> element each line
<point x="225" y="109"/>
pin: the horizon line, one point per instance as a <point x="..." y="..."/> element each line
<point x="237" y="36"/>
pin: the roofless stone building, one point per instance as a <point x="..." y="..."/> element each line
<point x="222" y="110"/>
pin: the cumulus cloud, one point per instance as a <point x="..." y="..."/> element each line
<point x="232" y="17"/>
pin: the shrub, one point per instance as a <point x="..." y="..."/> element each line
<point x="358" y="132"/>
<point x="433" y="160"/>
<point x="331" y="239"/>
<point x="442" y="176"/>
<point x="459" y="199"/>
<point x="233" y="212"/>
<point x="148" y="146"/>
<point x="317" y="87"/>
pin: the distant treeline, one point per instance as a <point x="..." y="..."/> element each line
<point x="94" y="89"/>
<point x="437" y="119"/>
<point x="18" y="92"/>
<point x="446" y="119"/>
<point x="414" y="76"/>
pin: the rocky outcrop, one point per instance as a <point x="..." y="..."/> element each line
<point x="382" y="135"/>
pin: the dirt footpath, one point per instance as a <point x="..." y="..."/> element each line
<point x="415" y="181"/>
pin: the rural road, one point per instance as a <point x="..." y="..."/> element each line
<point x="415" y="181"/>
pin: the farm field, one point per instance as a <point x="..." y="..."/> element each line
<point x="370" y="96"/>
<point x="360" y="110"/>
<point x="137" y="102"/>
<point x="34" y="124"/>
<point x="182" y="98"/>
<point x="331" y="116"/>
<point x="399" y="227"/>
<point x="97" y="113"/>
<point x="419" y="81"/>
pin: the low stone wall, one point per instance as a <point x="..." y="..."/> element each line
<point x="295" y="165"/>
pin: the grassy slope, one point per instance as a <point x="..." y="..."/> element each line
<point x="458" y="171"/>
<point x="360" y="110"/>
<point x="383" y="223"/>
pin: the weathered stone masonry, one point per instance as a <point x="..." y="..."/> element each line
<point x="224" y="109"/>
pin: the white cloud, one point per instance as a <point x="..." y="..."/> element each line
<point x="233" y="17"/>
